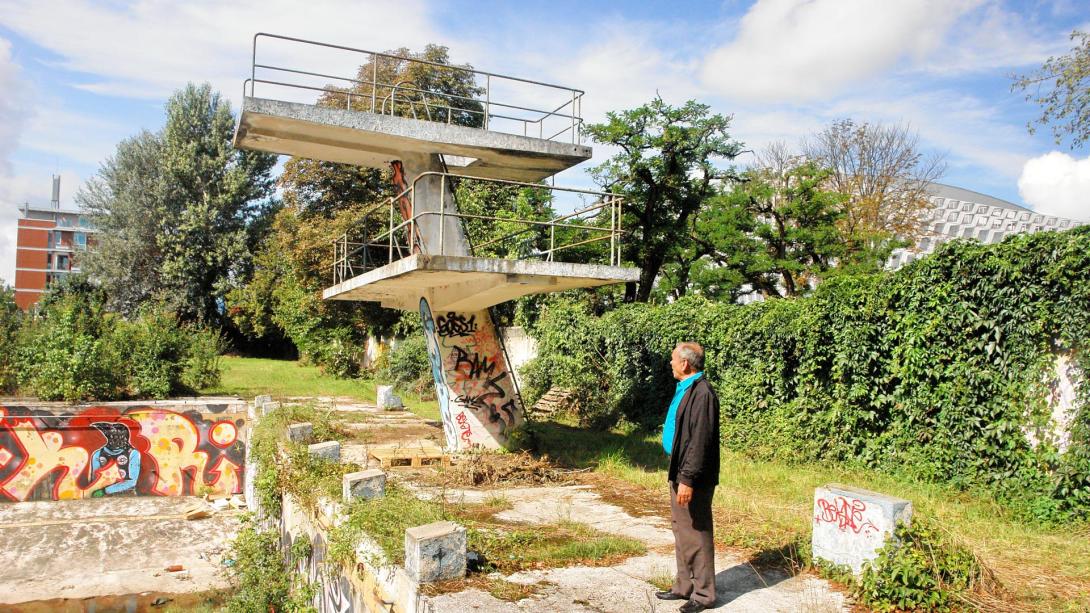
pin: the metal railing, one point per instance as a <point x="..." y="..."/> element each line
<point x="431" y="104"/>
<point x="401" y="237"/>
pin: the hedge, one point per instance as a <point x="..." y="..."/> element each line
<point x="934" y="371"/>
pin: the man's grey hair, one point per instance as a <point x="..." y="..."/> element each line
<point x="692" y="353"/>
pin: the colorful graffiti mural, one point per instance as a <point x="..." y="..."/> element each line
<point x="476" y="391"/>
<point x="105" y="451"/>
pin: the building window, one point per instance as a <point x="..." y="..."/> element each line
<point x="81" y="240"/>
<point x="62" y="262"/>
<point x="48" y="261"/>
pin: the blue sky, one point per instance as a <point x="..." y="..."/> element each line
<point x="79" y="76"/>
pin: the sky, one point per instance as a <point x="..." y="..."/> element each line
<point x="77" y="77"/>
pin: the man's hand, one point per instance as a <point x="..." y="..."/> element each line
<point x="684" y="494"/>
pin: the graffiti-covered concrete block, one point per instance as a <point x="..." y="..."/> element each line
<point x="366" y="484"/>
<point x="329" y="450"/>
<point x="851" y="524"/>
<point x="297" y="433"/>
<point x="387" y="399"/>
<point x="435" y="552"/>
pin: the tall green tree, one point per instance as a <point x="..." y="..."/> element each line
<point x="774" y="231"/>
<point x="666" y="170"/>
<point x="173" y="210"/>
<point x="1061" y="87"/>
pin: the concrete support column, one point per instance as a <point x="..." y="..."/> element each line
<point x="474" y="385"/>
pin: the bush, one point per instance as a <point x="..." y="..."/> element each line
<point x="920" y="569"/>
<point x="407" y="366"/>
<point x="74" y="350"/>
<point x="934" y="370"/>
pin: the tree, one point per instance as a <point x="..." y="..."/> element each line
<point x="315" y="187"/>
<point x="1061" y="87"/>
<point x="666" y="173"/>
<point x="774" y="230"/>
<point x="885" y="178"/>
<point x="173" y="209"/>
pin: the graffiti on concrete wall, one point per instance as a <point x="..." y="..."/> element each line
<point x="105" y="451"/>
<point x="335" y="593"/>
<point x="476" y="390"/>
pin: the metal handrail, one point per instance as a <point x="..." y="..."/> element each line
<point x="388" y="238"/>
<point x="572" y="106"/>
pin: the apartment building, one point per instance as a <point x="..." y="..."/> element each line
<point x="48" y="245"/>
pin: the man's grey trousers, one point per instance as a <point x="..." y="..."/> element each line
<point x="694" y="546"/>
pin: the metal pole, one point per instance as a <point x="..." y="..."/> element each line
<point x="390" y="257"/>
<point x="573" y="116"/>
<point x="612" y="229"/>
<point x="253" y="66"/>
<point x="552" y="241"/>
<point x="442" y="211"/>
<point x="487" y="99"/>
<point x="374" y="79"/>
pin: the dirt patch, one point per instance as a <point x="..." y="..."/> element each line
<point x="634" y="499"/>
<point x="152" y="602"/>
<point x="497" y="470"/>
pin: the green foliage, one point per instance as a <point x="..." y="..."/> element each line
<point x="260" y="578"/>
<point x="1061" y="87"/>
<point x="407" y="366"/>
<point x="919" y="569"/>
<point x="665" y="169"/>
<point x="932" y="371"/>
<point x="173" y="210"/>
<point x="775" y="230"/>
<point x="73" y="349"/>
<point x="11" y="320"/>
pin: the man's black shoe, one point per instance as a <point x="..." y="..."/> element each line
<point x="668" y="595"/>
<point x="691" y="607"/>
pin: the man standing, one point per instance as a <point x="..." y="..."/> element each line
<point x="691" y="436"/>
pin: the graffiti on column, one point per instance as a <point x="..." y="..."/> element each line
<point x="475" y="387"/>
<point x="104" y="451"/>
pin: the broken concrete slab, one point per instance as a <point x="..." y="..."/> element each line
<point x="851" y="524"/>
<point x="435" y="552"/>
<point x="365" y="485"/>
<point x="328" y="450"/>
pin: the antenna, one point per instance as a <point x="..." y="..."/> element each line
<point x="56" y="202"/>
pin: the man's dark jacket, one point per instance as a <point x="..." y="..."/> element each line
<point x="694" y="459"/>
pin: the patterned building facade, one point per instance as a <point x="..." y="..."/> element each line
<point x="48" y="245"/>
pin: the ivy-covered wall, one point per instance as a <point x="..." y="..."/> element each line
<point x="935" y="371"/>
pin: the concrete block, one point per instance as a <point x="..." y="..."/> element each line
<point x="387" y="399"/>
<point x="297" y="433"/>
<point x="435" y="552"/>
<point x="366" y="484"/>
<point x="262" y="399"/>
<point x="851" y="524"/>
<point x="329" y="450"/>
<point x="269" y="407"/>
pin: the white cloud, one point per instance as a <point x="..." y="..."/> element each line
<point x="789" y="50"/>
<point x="148" y="48"/>
<point x="12" y="117"/>
<point x="1057" y="184"/>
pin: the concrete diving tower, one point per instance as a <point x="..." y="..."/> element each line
<point x="413" y="252"/>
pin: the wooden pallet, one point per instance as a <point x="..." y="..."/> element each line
<point x="410" y="457"/>
<point x="555" y="400"/>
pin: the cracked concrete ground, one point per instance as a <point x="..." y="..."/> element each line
<point x="627" y="586"/>
<point x="109" y="546"/>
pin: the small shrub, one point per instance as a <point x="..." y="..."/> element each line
<point x="920" y="569"/>
<point x="260" y="578"/>
<point x="201" y="369"/>
<point x="407" y="365"/>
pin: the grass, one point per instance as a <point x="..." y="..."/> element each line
<point x="764" y="509"/>
<point x="249" y="377"/>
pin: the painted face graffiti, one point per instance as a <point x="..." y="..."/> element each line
<point x="103" y="451"/>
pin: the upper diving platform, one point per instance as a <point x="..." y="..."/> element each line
<point x="484" y="124"/>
